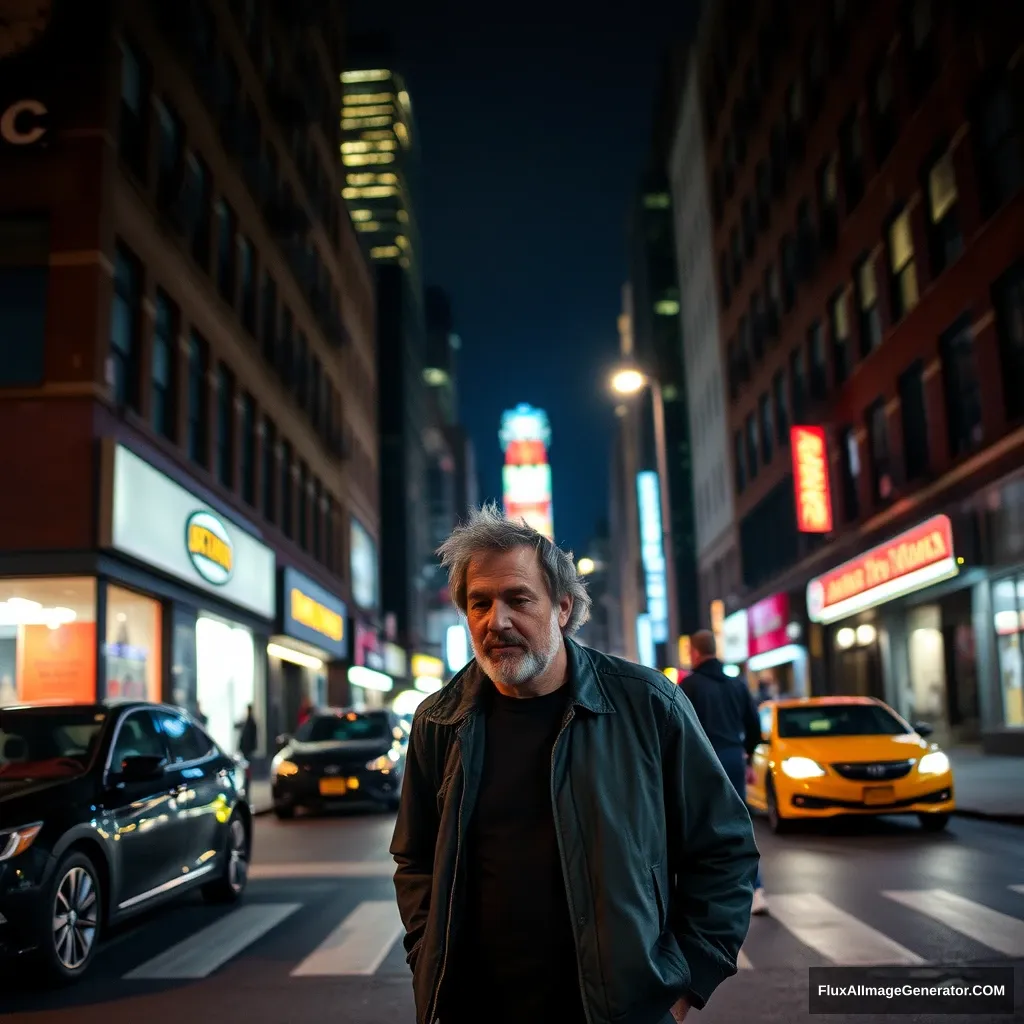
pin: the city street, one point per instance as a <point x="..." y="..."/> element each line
<point x="318" y="936"/>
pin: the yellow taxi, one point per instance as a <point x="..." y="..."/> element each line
<point x="822" y="757"/>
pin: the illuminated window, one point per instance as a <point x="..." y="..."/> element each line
<point x="370" y="192"/>
<point x="359" y="115"/>
<point x="362" y="99"/>
<point x="361" y="179"/>
<point x="351" y="124"/>
<point x="383" y="252"/>
<point x="368" y="226"/>
<point x="402" y="242"/>
<point x="902" y="264"/>
<point x="377" y="136"/>
<point x="356" y="147"/>
<point x="403" y="133"/>
<point x="403" y="217"/>
<point x="362" y="159"/>
<point x="667" y="307"/>
<point x="403" y="98"/>
<point x="658" y="201"/>
<point x="358" y="215"/>
<point x="387" y="178"/>
<point x="378" y="75"/>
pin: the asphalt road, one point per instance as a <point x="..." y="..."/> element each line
<point x="317" y="937"/>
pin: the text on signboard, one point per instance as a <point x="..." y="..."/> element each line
<point x="810" y="472"/>
<point x="315" y="616"/>
<point x="204" y="542"/>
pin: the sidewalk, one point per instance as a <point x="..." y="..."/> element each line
<point x="261" y="800"/>
<point x="988" y="786"/>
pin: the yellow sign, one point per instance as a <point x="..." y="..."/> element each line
<point x="718" y="625"/>
<point x="684" y="653"/>
<point x="427" y="666"/>
<point x="209" y="547"/>
<point x="315" y="616"/>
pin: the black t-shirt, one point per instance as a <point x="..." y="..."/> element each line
<point x="516" y="955"/>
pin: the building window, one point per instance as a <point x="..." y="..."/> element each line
<point x="851" y="153"/>
<point x="197" y="442"/>
<point x="798" y="384"/>
<point x="226" y="250"/>
<point x="248" y="460"/>
<point x="1008" y="300"/>
<point x="867" y="300"/>
<point x="739" y="462"/>
<point x="849" y="454"/>
<point x="839" y="323"/>
<point x="923" y="65"/>
<point x="781" y="410"/>
<point x="767" y="429"/>
<point x="164" y="398"/>
<point x="963" y="392"/>
<point x="318" y="532"/>
<point x="878" y="447"/>
<point x="764" y="194"/>
<point x="287" y="490"/>
<point x="818" y="361"/>
<point x="773" y="300"/>
<point x="749" y="228"/>
<point x="828" y="202"/>
<point x="1008" y="615"/>
<point x="133" y="135"/>
<point x="914" y="420"/>
<point x="248" y="269"/>
<point x="225" y="427"/>
<point x="125" y="328"/>
<point x="201" y="193"/>
<point x="330" y="555"/>
<point x="752" y="446"/>
<point x="902" y="267"/>
<point x="268" y="470"/>
<point x="171" y="156"/>
<point x="788" y="256"/>
<point x="1000" y="142"/>
<point x="883" y="112"/>
<point x="303" y="506"/>
<point x="945" y="240"/>
<point x="268" y="317"/>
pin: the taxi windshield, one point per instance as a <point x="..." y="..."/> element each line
<point x="344" y="728"/>
<point x="47" y="743"/>
<point x="838" y="720"/>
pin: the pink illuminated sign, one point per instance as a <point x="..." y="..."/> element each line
<point x="768" y="620"/>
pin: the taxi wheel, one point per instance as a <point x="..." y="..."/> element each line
<point x="933" y="822"/>
<point x="776" y="822"/>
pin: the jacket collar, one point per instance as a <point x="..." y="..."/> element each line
<point x="462" y="695"/>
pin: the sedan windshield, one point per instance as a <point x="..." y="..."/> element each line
<point x="37" y="743"/>
<point x="838" y="720"/>
<point x="343" y="728"/>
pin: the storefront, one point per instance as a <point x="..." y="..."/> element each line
<point x="777" y="664"/>
<point x="312" y="632"/>
<point x="734" y="643"/>
<point x="899" y="627"/>
<point x="176" y="606"/>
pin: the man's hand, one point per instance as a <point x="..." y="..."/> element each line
<point x="680" y="1010"/>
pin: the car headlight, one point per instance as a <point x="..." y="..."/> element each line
<point x="934" y="763"/>
<point x="283" y="767"/>
<point x="802" y="768"/>
<point x="384" y="763"/>
<point x="17" y="840"/>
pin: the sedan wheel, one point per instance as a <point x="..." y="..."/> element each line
<point x="234" y="876"/>
<point x="71" y="932"/>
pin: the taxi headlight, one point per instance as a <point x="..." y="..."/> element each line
<point x="385" y="762"/>
<point x="283" y="767"/>
<point x="17" y="840"/>
<point x="935" y="763"/>
<point x="802" y="768"/>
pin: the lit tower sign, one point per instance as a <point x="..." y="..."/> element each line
<point x="525" y="437"/>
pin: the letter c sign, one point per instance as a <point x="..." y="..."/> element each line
<point x="24" y="123"/>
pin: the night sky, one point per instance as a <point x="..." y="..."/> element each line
<point x="533" y="131"/>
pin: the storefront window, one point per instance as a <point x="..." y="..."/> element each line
<point x="134" y="647"/>
<point x="225" y="679"/>
<point x="47" y="640"/>
<point x="1007" y="601"/>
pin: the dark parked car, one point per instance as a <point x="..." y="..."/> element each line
<point x="340" y="756"/>
<point x="107" y="810"/>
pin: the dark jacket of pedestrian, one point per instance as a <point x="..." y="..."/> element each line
<point x="657" y="849"/>
<point x="725" y="708"/>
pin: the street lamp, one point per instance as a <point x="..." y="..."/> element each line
<point x="628" y="380"/>
<point x="585" y="566"/>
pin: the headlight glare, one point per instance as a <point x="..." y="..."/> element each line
<point x="934" y="763"/>
<point x="802" y="768"/>
<point x="283" y="767"/>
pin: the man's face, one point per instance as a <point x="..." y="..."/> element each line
<point x="515" y="626"/>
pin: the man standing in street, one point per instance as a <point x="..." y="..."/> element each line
<point x="569" y="848"/>
<point x="726" y="710"/>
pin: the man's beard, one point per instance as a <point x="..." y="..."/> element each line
<point x="514" y="668"/>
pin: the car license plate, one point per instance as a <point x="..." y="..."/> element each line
<point x="874" y="795"/>
<point x="333" y="787"/>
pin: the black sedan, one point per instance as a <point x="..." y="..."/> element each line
<point x="107" y="810"/>
<point x="340" y="756"/>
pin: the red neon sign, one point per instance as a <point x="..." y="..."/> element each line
<point x="810" y="479"/>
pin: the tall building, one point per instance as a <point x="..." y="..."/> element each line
<point x="867" y="164"/>
<point x="716" y="542"/>
<point x="189" y="364"/>
<point x="380" y="158"/>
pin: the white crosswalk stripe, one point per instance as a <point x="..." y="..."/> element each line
<point x="358" y="946"/>
<point x="998" y="931"/>
<point x="203" y="953"/>
<point x="361" y="943"/>
<point x="836" y="935"/>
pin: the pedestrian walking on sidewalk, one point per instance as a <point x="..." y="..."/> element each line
<point x="726" y="710"/>
<point x="569" y="848"/>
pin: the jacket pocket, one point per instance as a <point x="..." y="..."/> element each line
<point x="659" y="896"/>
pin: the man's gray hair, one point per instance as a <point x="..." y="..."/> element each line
<point x="487" y="529"/>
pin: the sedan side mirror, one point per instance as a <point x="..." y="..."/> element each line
<point x="142" y="768"/>
<point x="923" y="729"/>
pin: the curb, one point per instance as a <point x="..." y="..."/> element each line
<point x="1001" y="819"/>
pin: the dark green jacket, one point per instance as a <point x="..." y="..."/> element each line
<point x="657" y="848"/>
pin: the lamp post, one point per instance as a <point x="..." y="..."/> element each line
<point x="630" y="381"/>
